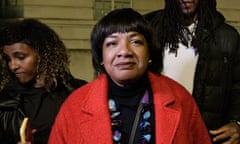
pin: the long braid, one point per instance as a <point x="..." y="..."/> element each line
<point x="169" y="22"/>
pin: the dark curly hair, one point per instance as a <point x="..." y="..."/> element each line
<point x="52" y="53"/>
<point x="169" y="21"/>
<point x="122" y="20"/>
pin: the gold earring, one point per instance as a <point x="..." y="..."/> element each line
<point x="150" y="61"/>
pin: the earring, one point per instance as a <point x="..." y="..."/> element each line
<point x="101" y="63"/>
<point x="150" y="61"/>
<point x="37" y="77"/>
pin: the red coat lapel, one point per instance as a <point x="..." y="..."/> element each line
<point x="97" y="124"/>
<point x="167" y="119"/>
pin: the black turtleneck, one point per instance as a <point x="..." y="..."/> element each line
<point x="40" y="106"/>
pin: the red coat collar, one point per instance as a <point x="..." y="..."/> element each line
<point x="97" y="116"/>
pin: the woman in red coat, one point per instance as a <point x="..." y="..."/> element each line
<point x="128" y="102"/>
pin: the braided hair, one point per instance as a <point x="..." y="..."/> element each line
<point x="168" y="23"/>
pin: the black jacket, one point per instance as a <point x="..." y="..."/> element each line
<point x="46" y="106"/>
<point x="217" y="75"/>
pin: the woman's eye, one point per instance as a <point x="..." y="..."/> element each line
<point x="21" y="56"/>
<point x="111" y="44"/>
<point x="138" y="42"/>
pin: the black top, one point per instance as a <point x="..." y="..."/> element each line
<point x="18" y="101"/>
<point x="41" y="107"/>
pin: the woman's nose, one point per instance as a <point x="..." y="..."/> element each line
<point x="125" y="50"/>
<point x="13" y="65"/>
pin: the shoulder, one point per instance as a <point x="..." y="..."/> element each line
<point x="228" y="29"/>
<point x="228" y="38"/>
<point x="77" y="82"/>
<point x="168" y="87"/>
<point x="81" y="94"/>
<point x="165" y="81"/>
<point x="74" y="83"/>
<point x="169" y="92"/>
<point x="9" y="98"/>
<point x="223" y="27"/>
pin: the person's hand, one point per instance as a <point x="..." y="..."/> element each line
<point x="229" y="132"/>
<point x="28" y="142"/>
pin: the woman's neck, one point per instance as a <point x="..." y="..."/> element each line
<point x="139" y="86"/>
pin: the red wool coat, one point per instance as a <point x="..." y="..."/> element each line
<point x="84" y="117"/>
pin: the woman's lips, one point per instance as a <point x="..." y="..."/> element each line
<point x="186" y="4"/>
<point x="125" y="65"/>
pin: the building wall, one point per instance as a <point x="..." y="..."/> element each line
<point x="231" y="10"/>
<point x="73" y="21"/>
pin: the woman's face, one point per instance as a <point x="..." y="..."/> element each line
<point x="125" y="57"/>
<point x="188" y="7"/>
<point x="22" y="61"/>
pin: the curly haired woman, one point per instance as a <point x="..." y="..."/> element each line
<point x="35" y="79"/>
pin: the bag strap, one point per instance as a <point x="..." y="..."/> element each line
<point x="137" y="117"/>
<point x="135" y="124"/>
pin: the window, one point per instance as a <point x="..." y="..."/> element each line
<point x="102" y="7"/>
<point x="11" y="8"/>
